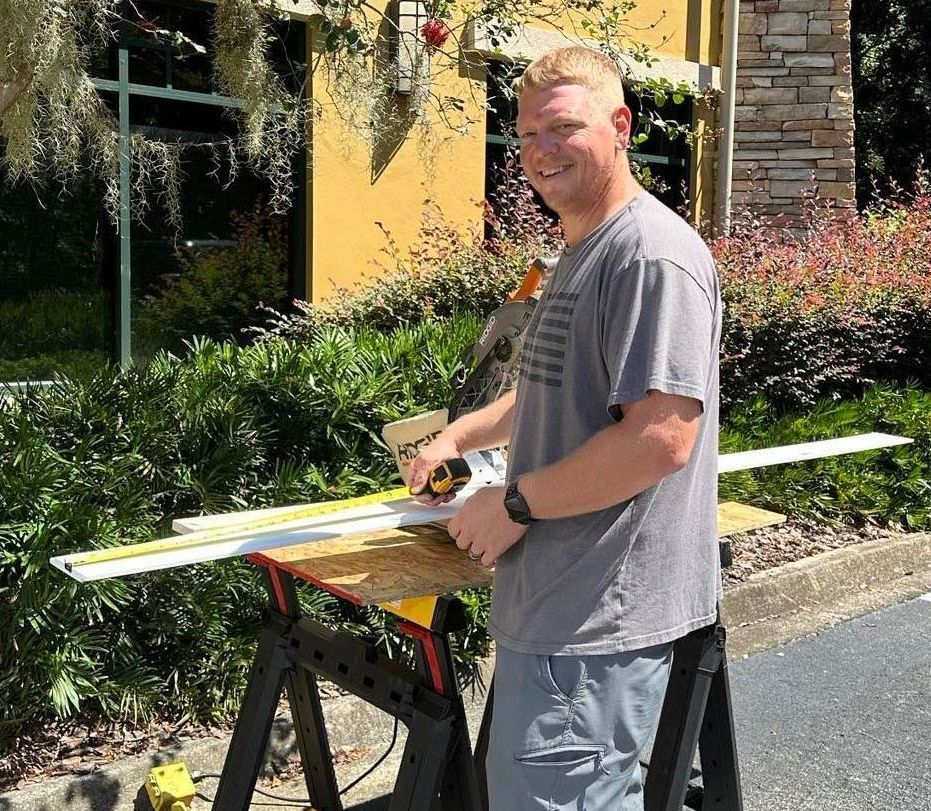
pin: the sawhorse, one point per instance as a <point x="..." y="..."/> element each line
<point x="437" y="768"/>
<point x="438" y="771"/>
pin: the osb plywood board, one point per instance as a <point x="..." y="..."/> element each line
<point x="734" y="517"/>
<point x="385" y="566"/>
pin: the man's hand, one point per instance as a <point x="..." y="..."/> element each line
<point x="483" y="528"/>
<point x="441" y="449"/>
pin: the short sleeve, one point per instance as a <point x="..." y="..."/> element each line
<point x="657" y="332"/>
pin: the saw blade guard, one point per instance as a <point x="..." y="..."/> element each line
<point x="495" y="357"/>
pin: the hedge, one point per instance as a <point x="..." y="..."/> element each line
<point x="825" y="312"/>
<point x="111" y="459"/>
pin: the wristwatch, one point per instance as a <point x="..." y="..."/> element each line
<point x="516" y="505"/>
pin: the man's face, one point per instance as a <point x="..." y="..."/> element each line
<point x="569" y="139"/>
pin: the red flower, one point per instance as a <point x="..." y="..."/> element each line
<point x="435" y="33"/>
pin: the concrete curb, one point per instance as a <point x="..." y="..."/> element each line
<point x="761" y="612"/>
<point x="808" y="595"/>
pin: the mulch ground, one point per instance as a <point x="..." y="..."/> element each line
<point x="63" y="748"/>
<point x="796" y="539"/>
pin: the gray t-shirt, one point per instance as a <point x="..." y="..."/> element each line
<point x="634" y="306"/>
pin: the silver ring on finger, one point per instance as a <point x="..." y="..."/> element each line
<point x="474" y="556"/>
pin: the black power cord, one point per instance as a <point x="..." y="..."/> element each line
<point x="197" y="777"/>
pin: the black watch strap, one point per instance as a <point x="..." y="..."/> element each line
<point x="516" y="505"/>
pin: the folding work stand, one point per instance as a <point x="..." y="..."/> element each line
<point x="438" y="771"/>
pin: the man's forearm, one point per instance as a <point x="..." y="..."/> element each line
<point x="489" y="427"/>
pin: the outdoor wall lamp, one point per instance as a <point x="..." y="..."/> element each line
<point x="409" y="17"/>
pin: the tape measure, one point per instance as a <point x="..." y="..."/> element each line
<point x="448" y="477"/>
<point x="448" y="474"/>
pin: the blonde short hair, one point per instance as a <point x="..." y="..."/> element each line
<point x="574" y="65"/>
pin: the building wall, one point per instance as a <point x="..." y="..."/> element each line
<point x="349" y="197"/>
<point x="794" y="114"/>
<point x="356" y="193"/>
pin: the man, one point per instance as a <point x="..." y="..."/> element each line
<point x="604" y="539"/>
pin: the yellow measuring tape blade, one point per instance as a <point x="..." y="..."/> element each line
<point x="230" y="532"/>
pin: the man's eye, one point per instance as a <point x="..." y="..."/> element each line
<point x="525" y="137"/>
<point x="567" y="127"/>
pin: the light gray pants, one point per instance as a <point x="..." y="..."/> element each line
<point x="567" y="731"/>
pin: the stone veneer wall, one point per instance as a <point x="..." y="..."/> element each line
<point x="794" y="97"/>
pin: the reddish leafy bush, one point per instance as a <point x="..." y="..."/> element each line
<point x="449" y="270"/>
<point x="831" y="310"/>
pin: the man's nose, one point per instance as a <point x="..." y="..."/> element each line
<point x="547" y="143"/>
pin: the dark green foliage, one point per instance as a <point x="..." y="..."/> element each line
<point x="888" y="485"/>
<point x="449" y="272"/>
<point x="891" y="83"/>
<point x="794" y="358"/>
<point x="110" y="459"/>
<point x="51" y="330"/>
<point x="45" y="367"/>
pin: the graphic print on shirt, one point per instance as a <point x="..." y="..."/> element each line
<point x="545" y="350"/>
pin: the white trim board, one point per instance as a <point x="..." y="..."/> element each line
<point x="806" y="451"/>
<point x="226" y="541"/>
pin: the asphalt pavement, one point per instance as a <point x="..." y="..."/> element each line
<point x="841" y="720"/>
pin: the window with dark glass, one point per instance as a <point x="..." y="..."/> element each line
<point x="61" y="294"/>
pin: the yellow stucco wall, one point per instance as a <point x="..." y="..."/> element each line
<point x="684" y="29"/>
<point x="351" y="191"/>
<point x="349" y="194"/>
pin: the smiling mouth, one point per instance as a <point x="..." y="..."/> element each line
<point x="548" y="173"/>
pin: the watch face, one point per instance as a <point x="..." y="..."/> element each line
<point x="516" y="505"/>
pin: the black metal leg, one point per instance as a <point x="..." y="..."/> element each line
<point x="312" y="740"/>
<point x="459" y="789"/>
<point x="718" y="750"/>
<point x="455" y="783"/>
<point x="424" y="763"/>
<point x="481" y="746"/>
<point x="250" y="738"/>
<point x="696" y="659"/>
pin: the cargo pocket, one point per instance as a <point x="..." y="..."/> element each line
<point x="562" y="676"/>
<point x="564" y="773"/>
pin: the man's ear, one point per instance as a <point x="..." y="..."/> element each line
<point x="623" y="121"/>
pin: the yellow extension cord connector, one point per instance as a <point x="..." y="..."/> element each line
<point x="170" y="788"/>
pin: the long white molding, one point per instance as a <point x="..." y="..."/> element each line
<point x="219" y="537"/>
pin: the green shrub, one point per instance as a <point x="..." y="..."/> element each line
<point x="75" y="362"/>
<point x="111" y="459"/>
<point x="892" y="484"/>
<point x="449" y="272"/>
<point x="217" y="293"/>
<point x="51" y="330"/>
